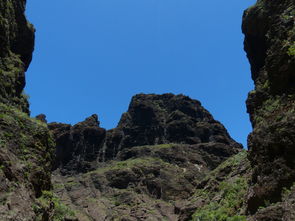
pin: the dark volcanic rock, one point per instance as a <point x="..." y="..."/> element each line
<point x="26" y="145"/>
<point x="78" y="146"/>
<point x="162" y="147"/>
<point x="150" y="120"/>
<point x="158" y="119"/>
<point x="26" y="155"/>
<point x="158" y="182"/>
<point x="269" y="42"/>
<point x="16" y="44"/>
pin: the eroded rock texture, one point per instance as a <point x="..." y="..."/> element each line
<point x="144" y="169"/>
<point x="17" y="44"/>
<point x="270" y="42"/>
<point x="26" y="145"/>
<point x="78" y="146"/>
<point x="158" y="119"/>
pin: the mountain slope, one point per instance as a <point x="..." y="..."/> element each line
<point x="146" y="167"/>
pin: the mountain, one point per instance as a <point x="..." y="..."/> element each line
<point x="145" y="167"/>
<point x="168" y="158"/>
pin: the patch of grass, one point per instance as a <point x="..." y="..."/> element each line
<point x="230" y="162"/>
<point x="226" y="209"/>
<point x="130" y="163"/>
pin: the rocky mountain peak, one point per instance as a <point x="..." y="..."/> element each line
<point x="168" y="158"/>
<point x="158" y="119"/>
<point x="150" y="120"/>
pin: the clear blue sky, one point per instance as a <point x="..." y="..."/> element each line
<point x="92" y="56"/>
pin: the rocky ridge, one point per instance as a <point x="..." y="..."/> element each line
<point x="167" y="159"/>
<point x="144" y="168"/>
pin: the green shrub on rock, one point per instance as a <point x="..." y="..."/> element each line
<point x="50" y="205"/>
<point x="225" y="210"/>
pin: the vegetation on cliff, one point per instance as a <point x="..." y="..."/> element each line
<point x="168" y="158"/>
<point x="269" y="42"/>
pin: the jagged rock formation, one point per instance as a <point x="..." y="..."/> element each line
<point x="150" y="120"/>
<point x="158" y="119"/>
<point x="77" y="147"/>
<point x="167" y="159"/>
<point x="163" y="146"/>
<point x="269" y="42"/>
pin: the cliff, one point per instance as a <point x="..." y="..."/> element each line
<point x="168" y="158"/>
<point x="146" y="167"/>
<point x="269" y="42"/>
<point x="26" y="145"/>
<point x="17" y="45"/>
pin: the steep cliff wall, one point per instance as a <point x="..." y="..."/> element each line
<point x="26" y="146"/>
<point x="17" y="44"/>
<point x="270" y="45"/>
<point x="168" y="158"/>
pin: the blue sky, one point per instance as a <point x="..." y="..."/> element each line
<point x="92" y="56"/>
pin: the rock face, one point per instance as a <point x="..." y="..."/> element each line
<point x="150" y="120"/>
<point x="145" y="168"/>
<point x="77" y="147"/>
<point x="17" y="44"/>
<point x="167" y="159"/>
<point x="26" y="145"/>
<point x="158" y="119"/>
<point x="269" y="42"/>
<point x="26" y="152"/>
<point x="158" y="183"/>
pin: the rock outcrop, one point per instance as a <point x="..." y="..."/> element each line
<point x="270" y="45"/>
<point x="168" y="158"/>
<point x="160" y="119"/>
<point x="147" y="167"/>
<point x="26" y="145"/>
<point x="78" y="146"/>
<point x="17" y="44"/>
<point x="150" y="120"/>
<point x="26" y="153"/>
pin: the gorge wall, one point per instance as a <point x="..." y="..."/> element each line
<point x="17" y="45"/>
<point x="168" y="158"/>
<point x="26" y="146"/>
<point x="270" y="42"/>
